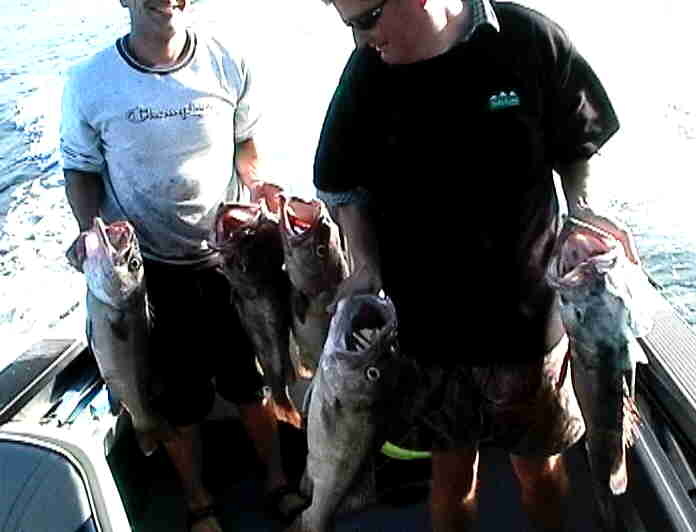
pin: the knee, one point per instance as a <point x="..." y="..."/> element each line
<point x="535" y="473"/>
<point x="454" y="476"/>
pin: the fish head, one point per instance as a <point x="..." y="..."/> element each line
<point x="360" y="363"/>
<point x="113" y="264"/>
<point x="247" y="236"/>
<point x="311" y="243"/>
<point x="593" y="307"/>
<point x="233" y="223"/>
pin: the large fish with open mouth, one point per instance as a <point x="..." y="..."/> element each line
<point x="118" y="324"/>
<point x="316" y="265"/>
<point x="599" y="290"/>
<point x="247" y="236"/>
<point x="352" y="403"/>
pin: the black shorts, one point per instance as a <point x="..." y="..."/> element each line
<point x="197" y="336"/>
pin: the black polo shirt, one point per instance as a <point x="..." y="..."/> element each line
<point x="456" y="155"/>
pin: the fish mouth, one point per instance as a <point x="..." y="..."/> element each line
<point x="582" y="252"/>
<point x="591" y="269"/>
<point x="116" y="238"/>
<point x="365" y="326"/>
<point x="299" y="217"/>
<point x="99" y="228"/>
<point x="365" y="320"/>
<point x="232" y="220"/>
<point x="363" y="343"/>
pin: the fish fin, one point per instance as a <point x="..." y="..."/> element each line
<point x="121" y="326"/>
<point x="362" y="491"/>
<point x="306" y="485"/>
<point x="286" y="411"/>
<point x="328" y="414"/>
<point x="631" y="420"/>
<point x="300" y="305"/>
<point x="146" y="442"/>
<point x="115" y="404"/>
<point x="149" y="313"/>
<point x="618" y="480"/>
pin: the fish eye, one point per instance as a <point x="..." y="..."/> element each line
<point x="134" y="264"/>
<point x="372" y="373"/>
<point x="321" y="251"/>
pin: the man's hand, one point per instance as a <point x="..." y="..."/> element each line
<point x="268" y="192"/>
<point x="614" y="228"/>
<point x="247" y="165"/>
<point x="575" y="177"/>
<point x="76" y="253"/>
<point x="364" y="280"/>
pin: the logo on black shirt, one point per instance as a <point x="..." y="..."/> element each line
<point x="502" y="100"/>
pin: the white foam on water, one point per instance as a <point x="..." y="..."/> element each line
<point x="640" y="50"/>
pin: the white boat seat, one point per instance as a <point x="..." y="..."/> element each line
<point x="41" y="491"/>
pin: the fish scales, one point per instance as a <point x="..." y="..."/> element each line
<point x="118" y="325"/>
<point x="351" y="407"/>
<point x="248" y="238"/>
<point x="594" y="281"/>
<point x="316" y="265"/>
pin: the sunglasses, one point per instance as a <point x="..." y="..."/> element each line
<point x="367" y="20"/>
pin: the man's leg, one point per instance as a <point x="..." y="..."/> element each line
<point x="262" y="428"/>
<point x="544" y="485"/>
<point x="185" y="453"/>
<point x="259" y="420"/>
<point x="453" y="502"/>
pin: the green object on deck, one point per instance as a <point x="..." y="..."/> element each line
<point x="399" y="453"/>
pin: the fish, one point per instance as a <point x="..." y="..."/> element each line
<point x="247" y="236"/>
<point x="350" y="408"/>
<point x="119" y="324"/>
<point x="598" y="290"/>
<point x="316" y="264"/>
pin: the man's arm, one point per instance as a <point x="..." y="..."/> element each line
<point x="246" y="162"/>
<point x="575" y="177"/>
<point x="357" y="227"/>
<point x="84" y="191"/>
<point x="247" y="165"/>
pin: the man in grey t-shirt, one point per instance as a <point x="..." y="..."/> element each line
<point x="158" y="130"/>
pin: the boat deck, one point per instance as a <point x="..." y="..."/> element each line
<point x="62" y="404"/>
<point x="154" y="502"/>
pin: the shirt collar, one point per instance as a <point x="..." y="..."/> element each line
<point x="482" y="14"/>
<point x="186" y="55"/>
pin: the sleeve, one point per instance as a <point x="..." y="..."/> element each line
<point x="80" y="143"/>
<point x="581" y="116"/>
<point x="247" y="114"/>
<point x="338" y="163"/>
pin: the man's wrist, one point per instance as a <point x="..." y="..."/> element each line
<point x="85" y="222"/>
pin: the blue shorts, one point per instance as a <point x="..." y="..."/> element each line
<point x="197" y="336"/>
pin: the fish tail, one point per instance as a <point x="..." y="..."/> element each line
<point x="618" y="480"/>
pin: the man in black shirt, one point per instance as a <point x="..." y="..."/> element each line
<point x="437" y="157"/>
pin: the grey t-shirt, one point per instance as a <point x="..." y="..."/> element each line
<point x="163" y="140"/>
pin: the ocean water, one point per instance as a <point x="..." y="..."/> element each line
<point x="645" y="174"/>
